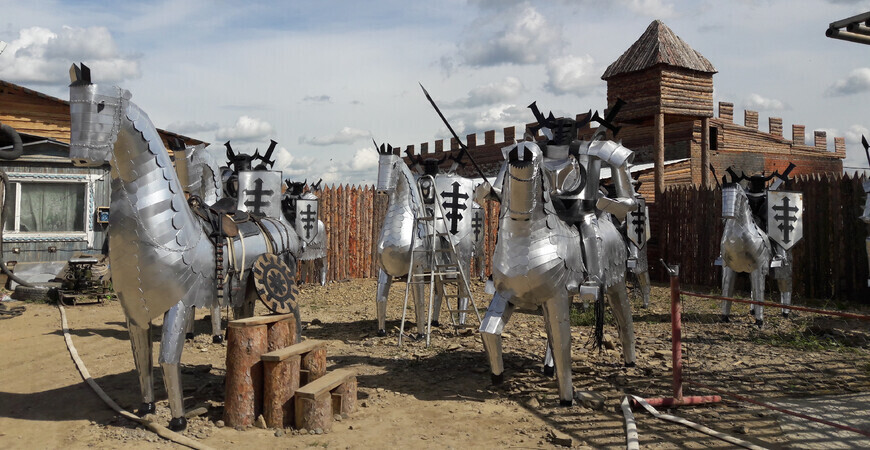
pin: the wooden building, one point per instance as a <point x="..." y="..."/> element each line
<point x="669" y="122"/>
<point x="54" y="210"/>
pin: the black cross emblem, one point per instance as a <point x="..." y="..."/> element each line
<point x="638" y="219"/>
<point x="477" y="224"/>
<point x="453" y="206"/>
<point x="786" y="218"/>
<point x="258" y="195"/>
<point x="308" y="220"/>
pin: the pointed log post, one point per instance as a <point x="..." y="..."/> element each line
<point x="705" y="152"/>
<point x="659" y="150"/>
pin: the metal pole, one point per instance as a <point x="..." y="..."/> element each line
<point x="676" y="333"/>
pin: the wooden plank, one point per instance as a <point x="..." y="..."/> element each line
<point x="258" y="320"/>
<point x="295" y="349"/>
<point x="325" y="383"/>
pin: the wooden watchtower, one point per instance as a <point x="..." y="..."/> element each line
<point x="664" y="82"/>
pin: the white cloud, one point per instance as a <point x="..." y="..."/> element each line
<point x="42" y="56"/>
<point x="490" y="93"/>
<point x="346" y="135"/>
<point x="659" y="9"/>
<point x="247" y="129"/>
<point x="525" y="37"/>
<point x="496" y="118"/>
<point x="857" y="81"/>
<point x="317" y="98"/>
<point x="572" y="75"/>
<point x="755" y="102"/>
<point x="191" y="127"/>
<point x="365" y="158"/>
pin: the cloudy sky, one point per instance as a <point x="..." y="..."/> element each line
<point x="323" y="78"/>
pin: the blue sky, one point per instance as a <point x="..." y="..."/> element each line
<point x="324" y="78"/>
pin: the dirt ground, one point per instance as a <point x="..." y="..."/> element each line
<point x="416" y="396"/>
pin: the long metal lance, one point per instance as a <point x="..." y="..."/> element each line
<point x="461" y="144"/>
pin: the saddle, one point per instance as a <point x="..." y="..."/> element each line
<point x="223" y="217"/>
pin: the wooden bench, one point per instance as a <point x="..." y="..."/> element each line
<point x="284" y="370"/>
<point x="247" y="340"/>
<point x="318" y="401"/>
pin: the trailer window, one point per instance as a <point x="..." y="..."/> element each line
<point x="33" y="207"/>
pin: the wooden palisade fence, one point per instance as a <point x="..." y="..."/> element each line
<point x="829" y="262"/>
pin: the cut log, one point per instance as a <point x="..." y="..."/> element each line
<point x="314" y="401"/>
<point x="244" y="382"/>
<point x="280" y="383"/>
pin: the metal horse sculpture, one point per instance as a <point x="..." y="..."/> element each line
<point x="746" y="247"/>
<point x="393" y="252"/>
<point x="163" y="262"/>
<point x="314" y="252"/>
<point x="538" y="262"/>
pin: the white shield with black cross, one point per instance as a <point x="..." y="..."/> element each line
<point x="478" y="224"/>
<point x="455" y="194"/>
<point x="637" y="224"/>
<point x="785" y="212"/>
<point x="260" y="193"/>
<point x="306" y="219"/>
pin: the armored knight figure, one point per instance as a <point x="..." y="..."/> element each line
<point x="301" y="208"/>
<point x="762" y="224"/>
<point x="591" y="249"/>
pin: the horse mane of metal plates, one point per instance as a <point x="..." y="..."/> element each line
<point x="275" y="286"/>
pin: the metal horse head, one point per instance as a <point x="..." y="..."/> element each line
<point x="95" y="119"/>
<point x="524" y="182"/>
<point x="388" y="162"/>
<point x="734" y="200"/>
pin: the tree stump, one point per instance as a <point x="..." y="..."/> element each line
<point x="313" y="365"/>
<point x="344" y="397"/>
<point x="281" y="334"/>
<point x="281" y="382"/>
<point x="313" y="413"/>
<point x="244" y="384"/>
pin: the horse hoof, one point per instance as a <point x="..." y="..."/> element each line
<point x="382" y="333"/>
<point x="420" y="336"/>
<point x="786" y="315"/>
<point x="725" y="319"/>
<point x="188" y="336"/>
<point x="645" y="306"/>
<point x="178" y="424"/>
<point x="217" y="339"/>
<point x="497" y="380"/>
<point x="631" y="364"/>
<point x="145" y="409"/>
<point x="436" y="324"/>
<point x="549" y="371"/>
<point x="759" y="323"/>
<point x="566" y="402"/>
<point x="752" y="312"/>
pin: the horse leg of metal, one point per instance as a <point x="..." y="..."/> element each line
<point x="784" y="284"/>
<point x="728" y="278"/>
<point x="217" y="334"/>
<point x="384" y="282"/>
<point x="497" y="316"/>
<point x="140" y="340"/>
<point x="757" y="276"/>
<point x="463" y="299"/>
<point x="323" y="266"/>
<point x="557" y="316"/>
<point x="643" y="282"/>
<point x="549" y="365"/>
<point x="171" y="346"/>
<point x="436" y="305"/>
<point x="420" y="307"/>
<point x="188" y="332"/>
<point x="619" y="304"/>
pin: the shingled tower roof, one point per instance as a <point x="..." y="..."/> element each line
<point x="658" y="45"/>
